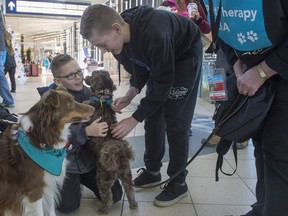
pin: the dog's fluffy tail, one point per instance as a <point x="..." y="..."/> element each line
<point x="114" y="152"/>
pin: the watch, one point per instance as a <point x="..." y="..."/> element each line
<point x="262" y="73"/>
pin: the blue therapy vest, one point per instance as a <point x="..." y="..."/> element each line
<point x="242" y="24"/>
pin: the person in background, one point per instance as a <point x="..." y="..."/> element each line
<point x="10" y="63"/>
<point x="257" y="48"/>
<point x="81" y="169"/>
<point x="165" y="49"/>
<point x="8" y="100"/>
<point x="46" y="63"/>
<point x="198" y="16"/>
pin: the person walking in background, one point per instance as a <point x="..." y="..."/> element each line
<point x="8" y="100"/>
<point x="46" y="63"/>
<point x="257" y="47"/>
<point x="198" y="15"/>
<point x="165" y="49"/>
<point x="10" y="63"/>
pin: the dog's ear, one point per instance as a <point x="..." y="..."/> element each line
<point x="88" y="80"/>
<point x="52" y="99"/>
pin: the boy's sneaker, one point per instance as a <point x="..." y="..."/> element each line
<point x="145" y="179"/>
<point x="172" y="193"/>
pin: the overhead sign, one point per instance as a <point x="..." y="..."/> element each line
<point x="11" y="6"/>
<point x="50" y="8"/>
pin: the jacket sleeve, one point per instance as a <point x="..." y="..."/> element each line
<point x="138" y="77"/>
<point x="77" y="134"/>
<point x="2" y="32"/>
<point x="278" y="59"/>
<point x="203" y="24"/>
<point x="162" y="55"/>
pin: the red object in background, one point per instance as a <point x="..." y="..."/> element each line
<point x="39" y="70"/>
<point x="34" y="69"/>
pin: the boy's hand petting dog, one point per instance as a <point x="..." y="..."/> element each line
<point x="97" y="128"/>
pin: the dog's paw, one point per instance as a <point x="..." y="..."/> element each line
<point x="133" y="205"/>
<point x="102" y="211"/>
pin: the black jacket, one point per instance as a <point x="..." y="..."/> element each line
<point x="158" y="41"/>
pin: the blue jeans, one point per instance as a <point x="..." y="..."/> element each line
<point x="4" y="87"/>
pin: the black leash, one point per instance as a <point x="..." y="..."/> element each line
<point x="214" y="131"/>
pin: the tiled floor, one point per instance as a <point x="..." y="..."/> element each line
<point x="230" y="196"/>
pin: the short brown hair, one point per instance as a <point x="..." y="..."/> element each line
<point x="59" y="61"/>
<point x="100" y="18"/>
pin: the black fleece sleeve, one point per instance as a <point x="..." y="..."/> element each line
<point x="278" y="59"/>
<point x="161" y="51"/>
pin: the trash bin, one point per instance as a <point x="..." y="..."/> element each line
<point x="34" y="69"/>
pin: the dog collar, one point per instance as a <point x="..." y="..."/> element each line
<point x="49" y="159"/>
<point x="104" y="100"/>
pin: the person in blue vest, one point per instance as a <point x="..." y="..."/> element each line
<point x="254" y="38"/>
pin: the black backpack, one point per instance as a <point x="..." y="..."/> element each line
<point x="240" y="117"/>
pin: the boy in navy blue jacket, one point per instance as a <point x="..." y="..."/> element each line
<point x="164" y="51"/>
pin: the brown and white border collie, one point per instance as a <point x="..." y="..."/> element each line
<point x="28" y="185"/>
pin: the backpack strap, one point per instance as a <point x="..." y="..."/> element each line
<point x="219" y="163"/>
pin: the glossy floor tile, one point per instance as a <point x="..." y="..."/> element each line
<point x="229" y="196"/>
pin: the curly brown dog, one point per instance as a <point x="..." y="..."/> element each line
<point x="113" y="155"/>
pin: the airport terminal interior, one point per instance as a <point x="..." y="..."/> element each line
<point x="38" y="36"/>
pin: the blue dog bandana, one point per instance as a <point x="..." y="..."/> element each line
<point x="49" y="159"/>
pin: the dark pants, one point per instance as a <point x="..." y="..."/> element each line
<point x="71" y="191"/>
<point x="11" y="72"/>
<point x="174" y="117"/>
<point x="271" y="154"/>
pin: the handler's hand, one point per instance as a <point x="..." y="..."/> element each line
<point x="249" y="82"/>
<point x="124" y="127"/>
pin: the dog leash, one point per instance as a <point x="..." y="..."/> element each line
<point x="214" y="131"/>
